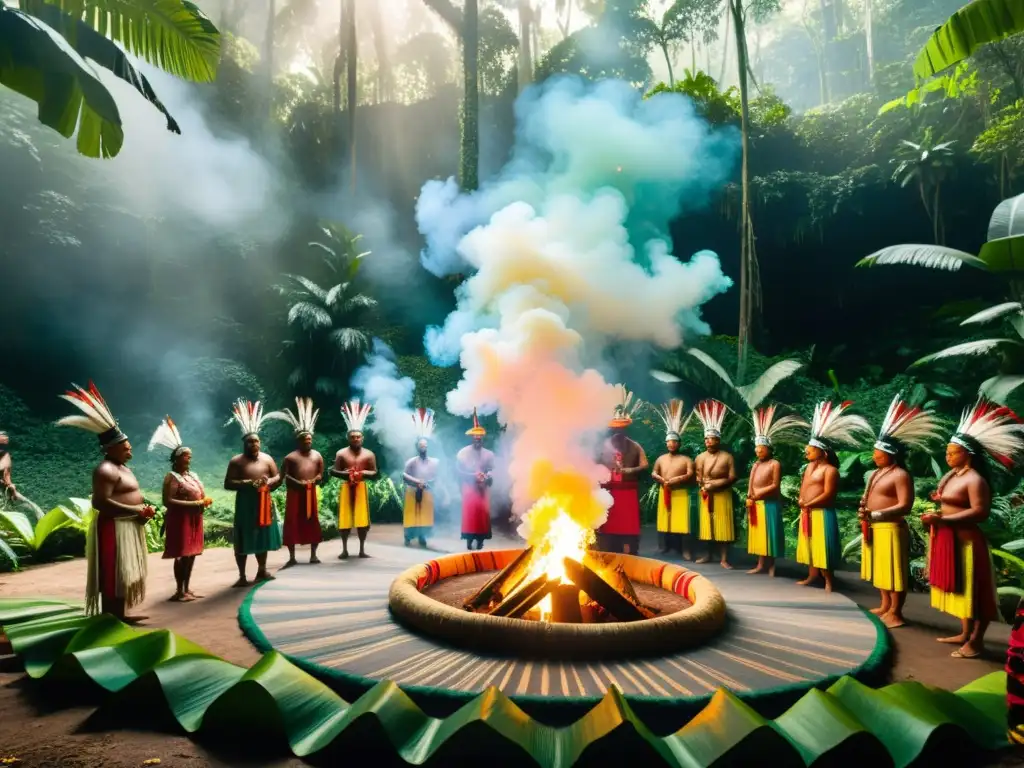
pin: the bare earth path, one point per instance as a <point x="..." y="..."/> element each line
<point x="40" y="733"/>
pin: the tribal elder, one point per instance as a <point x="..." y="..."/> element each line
<point x="475" y="467"/>
<point x="625" y="460"/>
<point x="888" y="497"/>
<point x="716" y="475"/>
<point x="674" y="472"/>
<point x="959" y="563"/>
<point x="253" y="476"/>
<point x="818" y="545"/>
<point x="419" y="475"/>
<point x="185" y="500"/>
<point x="303" y="473"/>
<point x="354" y="464"/>
<point x="115" y="546"/>
<point x="766" y="536"/>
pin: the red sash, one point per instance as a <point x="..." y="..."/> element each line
<point x="266" y="514"/>
<point x="944" y="566"/>
<point x="805" y="522"/>
<point x="865" y="531"/>
<point x="355" y="477"/>
<point x="310" y="500"/>
<point x="752" y="511"/>
<point x="666" y="495"/>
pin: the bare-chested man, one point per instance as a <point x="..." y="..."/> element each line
<point x="625" y="460"/>
<point x="818" y="544"/>
<point x="354" y="464"/>
<point x="7" y="490"/>
<point x="716" y="475"/>
<point x="475" y="467"/>
<point x="419" y="475"/>
<point x="959" y="563"/>
<point x="116" y="546"/>
<point x="674" y="472"/>
<point x="253" y="475"/>
<point x="303" y="474"/>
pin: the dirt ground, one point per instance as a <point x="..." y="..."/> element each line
<point x="40" y="730"/>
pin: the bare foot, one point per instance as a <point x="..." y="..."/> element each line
<point x="726" y="565"/>
<point x="756" y="569"/>
<point x="703" y="560"/>
<point x="193" y="595"/>
<point x="242" y="582"/>
<point x="879" y="611"/>
<point x="954" y="640"/>
<point x="343" y="555"/>
<point x="131" y="620"/>
<point x="966" y="651"/>
<point x="892" y="621"/>
<point x="290" y="563"/>
<point x="688" y="557"/>
<point x="264" y="577"/>
<point x="804" y="582"/>
<point x="771" y="571"/>
<point x="828" y="587"/>
<point x="363" y="554"/>
<point x="314" y="560"/>
<point x="177" y="597"/>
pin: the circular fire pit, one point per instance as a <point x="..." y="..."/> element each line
<point x="646" y="635"/>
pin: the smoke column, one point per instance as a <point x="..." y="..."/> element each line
<point x="569" y="254"/>
<point x="378" y="383"/>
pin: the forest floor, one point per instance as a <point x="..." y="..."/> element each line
<point x="41" y="732"/>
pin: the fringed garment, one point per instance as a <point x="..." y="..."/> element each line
<point x="818" y="545"/>
<point x="257" y="527"/>
<point x="476" y="511"/>
<point x="302" y="516"/>
<point x="716" y="511"/>
<point x="353" y="505"/>
<point x="765" y="535"/>
<point x="116" y="561"/>
<point x="885" y="555"/>
<point x="676" y="511"/>
<point x="960" y="572"/>
<point x="418" y="513"/>
<point x="183" y="525"/>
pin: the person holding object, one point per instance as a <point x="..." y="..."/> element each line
<point x="354" y="465"/>
<point x="674" y="472"/>
<point x="115" y="547"/>
<point x="625" y="460"/>
<point x="716" y="475"/>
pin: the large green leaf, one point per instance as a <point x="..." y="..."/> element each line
<point x="994" y="313"/>
<point x="17" y="524"/>
<point x="173" y="35"/>
<point x="53" y="520"/>
<point x="1007" y="219"/>
<point x="755" y="392"/>
<point x="712" y="365"/>
<point x="977" y="23"/>
<point x="999" y="388"/>
<point x="967" y="349"/>
<point x="917" y="255"/>
<point x="1005" y="254"/>
<point x="38" y="63"/>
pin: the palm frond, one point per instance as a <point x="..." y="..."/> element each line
<point x="350" y="339"/>
<point x="310" y="287"/>
<point x="1007" y="219"/>
<point x="712" y="365"/>
<point x="755" y="392"/>
<point x="665" y="377"/>
<point x="296" y="378"/>
<point x="359" y="301"/>
<point x="917" y="255"/>
<point x="332" y="295"/>
<point x="308" y="316"/>
<point x="966" y="349"/>
<point x="993" y="313"/>
<point x="998" y="388"/>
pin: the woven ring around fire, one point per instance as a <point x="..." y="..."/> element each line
<point x="670" y="633"/>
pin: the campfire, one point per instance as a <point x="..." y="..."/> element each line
<point x="561" y="580"/>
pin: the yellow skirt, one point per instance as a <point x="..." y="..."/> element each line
<point x="353" y="515"/>
<point x="821" y="548"/>
<point x="716" y="523"/>
<point x="421" y="516"/>
<point x="886" y="561"/>
<point x="676" y="520"/>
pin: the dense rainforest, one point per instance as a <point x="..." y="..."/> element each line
<point x="262" y="251"/>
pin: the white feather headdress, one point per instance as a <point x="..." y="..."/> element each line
<point x="994" y="429"/>
<point x="423" y="418"/>
<point x="303" y="421"/>
<point x="768" y="430"/>
<point x="711" y="415"/>
<point x="904" y="427"/>
<point x="355" y="415"/>
<point x="832" y="426"/>
<point x="95" y="417"/>
<point x="625" y="409"/>
<point x="248" y="416"/>
<point x="167" y="436"/>
<point x="671" y="414"/>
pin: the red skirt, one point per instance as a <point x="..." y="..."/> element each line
<point x="476" y="510"/>
<point x="107" y="550"/>
<point x="183" y="532"/>
<point x="624" y="515"/>
<point x="302" y="518"/>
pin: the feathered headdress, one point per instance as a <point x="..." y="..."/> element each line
<point x="671" y="414"/>
<point x="423" y="418"/>
<point x="303" y="421"/>
<point x="248" y="416"/>
<point x="992" y="429"/>
<point x="355" y="414"/>
<point x="626" y="409"/>
<point x="96" y="416"/>
<point x="476" y="430"/>
<point x="904" y="428"/>
<point x="711" y="415"/>
<point x="767" y="429"/>
<point x="167" y="436"/>
<point x="832" y="426"/>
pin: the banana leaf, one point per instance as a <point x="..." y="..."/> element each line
<point x="977" y="23"/>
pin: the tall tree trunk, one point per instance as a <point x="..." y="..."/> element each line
<point x="828" y="34"/>
<point x="525" y="75"/>
<point x="869" y="39"/>
<point x="351" y="96"/>
<point x="668" y="63"/>
<point x="725" y="44"/>
<point x="693" y="56"/>
<point x="470" y="154"/>
<point x="385" y="77"/>
<point x="746" y="225"/>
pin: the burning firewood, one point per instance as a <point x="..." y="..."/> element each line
<point x="502" y="584"/>
<point x="602" y="592"/>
